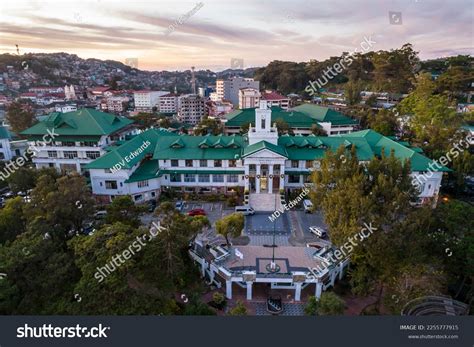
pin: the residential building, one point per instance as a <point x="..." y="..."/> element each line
<point x="69" y="141"/>
<point x="117" y="104"/>
<point x="64" y="108"/>
<point x="145" y="100"/>
<point x="275" y="99"/>
<point x="229" y="89"/>
<point x="218" y="109"/>
<point x="169" y="103"/>
<point x="5" y="149"/>
<point x="249" y="98"/>
<point x="191" y="108"/>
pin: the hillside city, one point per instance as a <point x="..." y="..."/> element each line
<point x="335" y="187"/>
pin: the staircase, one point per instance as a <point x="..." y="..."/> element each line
<point x="265" y="202"/>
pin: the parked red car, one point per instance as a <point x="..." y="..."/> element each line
<point x="197" y="212"/>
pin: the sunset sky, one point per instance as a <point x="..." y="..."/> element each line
<point x="255" y="31"/>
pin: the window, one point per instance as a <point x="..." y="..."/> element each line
<point x="294" y="163"/>
<point x="138" y="197"/>
<point x="89" y="144"/>
<point x="174" y="162"/>
<point x="175" y="177"/>
<point x="203" y="163"/>
<point x="232" y="178"/>
<point x="232" y="163"/>
<point x="2" y="155"/>
<point x="263" y="123"/>
<point x="142" y="184"/>
<point x="68" y="143"/>
<point x="204" y="178"/>
<point x="293" y="178"/>
<point x="309" y="164"/>
<point x="110" y="184"/>
<point x="217" y="163"/>
<point x="188" y="163"/>
<point x="52" y="154"/>
<point x="70" y="154"/>
<point x="218" y="178"/>
<point x="1" y="145"/>
<point x="92" y="154"/>
<point x="107" y="171"/>
<point x="189" y="178"/>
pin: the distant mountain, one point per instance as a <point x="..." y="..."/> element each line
<point x="61" y="68"/>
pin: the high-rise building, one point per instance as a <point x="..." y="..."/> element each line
<point x="191" y="108"/>
<point x="229" y="90"/>
<point x="145" y="100"/>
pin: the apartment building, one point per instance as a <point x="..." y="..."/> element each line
<point x="169" y="103"/>
<point x="191" y="108"/>
<point x="145" y="100"/>
<point x="229" y="89"/>
<point x="275" y="99"/>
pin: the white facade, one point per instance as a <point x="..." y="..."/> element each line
<point x="145" y="100"/>
<point x="249" y="98"/>
<point x="229" y="90"/>
<point x="5" y="150"/>
<point x="168" y="103"/>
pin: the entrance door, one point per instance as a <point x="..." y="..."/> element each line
<point x="263" y="184"/>
<point x="276" y="183"/>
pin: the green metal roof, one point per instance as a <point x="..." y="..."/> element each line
<point x="324" y="114"/>
<point x="84" y="122"/>
<point x="166" y="146"/>
<point x="256" y="147"/>
<point x="293" y="118"/>
<point x="118" y="155"/>
<point x="148" y="170"/>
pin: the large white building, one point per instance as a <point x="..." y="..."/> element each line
<point x="145" y="100"/>
<point x="229" y="89"/>
<point x="69" y="141"/>
<point x="260" y="162"/>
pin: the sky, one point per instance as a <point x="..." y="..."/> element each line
<point x="219" y="34"/>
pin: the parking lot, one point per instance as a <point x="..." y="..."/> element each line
<point x="291" y="227"/>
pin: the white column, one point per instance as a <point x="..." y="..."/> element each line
<point x="282" y="172"/>
<point x="203" y="267"/>
<point x="247" y="170"/>
<point x="249" y="290"/>
<point x="228" y="289"/>
<point x="341" y="270"/>
<point x="270" y="180"/>
<point x="257" y="180"/>
<point x="297" y="291"/>
<point x="319" y="289"/>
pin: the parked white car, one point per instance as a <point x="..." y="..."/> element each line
<point x="319" y="232"/>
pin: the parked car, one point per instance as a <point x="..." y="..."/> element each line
<point x="308" y="206"/>
<point x="87" y="227"/>
<point x="100" y="214"/>
<point x="197" y="212"/>
<point x="320" y="232"/>
<point x="245" y="210"/>
<point x="180" y="205"/>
